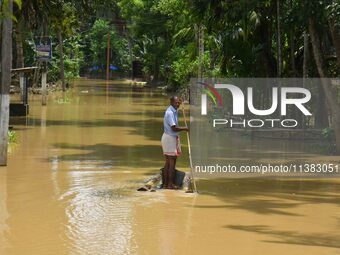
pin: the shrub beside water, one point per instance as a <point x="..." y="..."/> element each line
<point x="12" y="136"/>
<point x="12" y="139"/>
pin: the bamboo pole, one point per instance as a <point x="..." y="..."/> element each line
<point x="189" y="150"/>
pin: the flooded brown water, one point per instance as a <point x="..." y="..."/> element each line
<point x="69" y="188"/>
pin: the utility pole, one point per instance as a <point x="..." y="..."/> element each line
<point x="126" y="35"/>
<point x="61" y="52"/>
<point x="108" y="57"/>
<point x="200" y="35"/>
<point x="279" y="40"/>
<point x="6" y="64"/>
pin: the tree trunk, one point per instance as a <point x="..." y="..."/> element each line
<point x="327" y="87"/>
<point x="320" y="112"/>
<point x="6" y="60"/>
<point x="267" y="58"/>
<point x="61" y="52"/>
<point x="18" y="43"/>
<point x="305" y="55"/>
<point x="316" y="45"/>
<point x="335" y="32"/>
<point x="305" y="69"/>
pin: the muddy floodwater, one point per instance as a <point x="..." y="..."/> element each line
<point x="70" y="188"/>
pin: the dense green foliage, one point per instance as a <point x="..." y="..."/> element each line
<point x="12" y="136"/>
<point x="96" y="45"/>
<point x="4" y="7"/>
<point x="84" y="36"/>
<point x="240" y="38"/>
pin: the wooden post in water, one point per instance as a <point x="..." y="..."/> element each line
<point x="43" y="84"/>
<point x="6" y="60"/>
<point x="43" y="87"/>
<point x="21" y="82"/>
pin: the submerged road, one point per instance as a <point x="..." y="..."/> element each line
<point x="69" y="188"/>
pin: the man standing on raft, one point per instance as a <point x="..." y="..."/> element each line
<point x="170" y="142"/>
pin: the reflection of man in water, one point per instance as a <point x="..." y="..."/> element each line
<point x="170" y="142"/>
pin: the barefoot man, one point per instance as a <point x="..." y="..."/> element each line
<point x="170" y="142"/>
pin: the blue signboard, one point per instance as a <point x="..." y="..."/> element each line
<point x="44" y="51"/>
